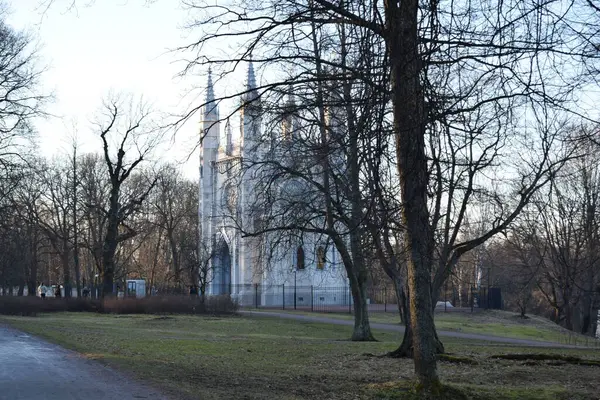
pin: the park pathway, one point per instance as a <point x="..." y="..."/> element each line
<point x="31" y="368"/>
<point x="400" y="328"/>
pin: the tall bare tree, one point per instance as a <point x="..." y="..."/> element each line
<point x="128" y="136"/>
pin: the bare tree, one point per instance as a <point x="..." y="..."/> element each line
<point x="128" y="137"/>
<point x="55" y="215"/>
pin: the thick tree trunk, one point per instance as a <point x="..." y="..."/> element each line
<point x="569" y="317"/>
<point x="362" y="328"/>
<point x="406" y="349"/>
<point x="31" y="287"/>
<point x="109" y="247"/>
<point x="108" y="264"/>
<point x="66" y="270"/>
<point x="409" y="130"/>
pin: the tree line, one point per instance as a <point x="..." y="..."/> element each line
<point x="97" y="219"/>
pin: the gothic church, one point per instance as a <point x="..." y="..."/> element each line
<point x="236" y="265"/>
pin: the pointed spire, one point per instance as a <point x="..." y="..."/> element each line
<point x="228" y="139"/>
<point x="211" y="106"/>
<point x="251" y="92"/>
<point x="289" y="107"/>
<point x="291" y="99"/>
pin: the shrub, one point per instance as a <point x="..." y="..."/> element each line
<point x="31" y="306"/>
<point x="170" y="305"/>
<point x="11" y="305"/>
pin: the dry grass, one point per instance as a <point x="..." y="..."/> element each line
<point x="264" y="358"/>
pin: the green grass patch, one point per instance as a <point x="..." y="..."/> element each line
<point x="204" y="357"/>
<point x="486" y="322"/>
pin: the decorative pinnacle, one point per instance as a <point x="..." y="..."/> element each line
<point x="228" y="139"/>
<point x="251" y="92"/>
<point x="211" y="106"/>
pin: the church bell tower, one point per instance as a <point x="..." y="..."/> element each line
<point x="209" y="145"/>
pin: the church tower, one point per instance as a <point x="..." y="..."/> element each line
<point x="251" y="151"/>
<point x="209" y="145"/>
<point x="250" y="118"/>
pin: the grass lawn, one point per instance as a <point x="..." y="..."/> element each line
<point x="487" y="322"/>
<point x="265" y="358"/>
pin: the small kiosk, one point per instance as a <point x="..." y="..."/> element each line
<point x="136" y="288"/>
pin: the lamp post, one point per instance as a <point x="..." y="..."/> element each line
<point x="295" y="297"/>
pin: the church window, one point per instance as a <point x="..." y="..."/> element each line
<point x="320" y="257"/>
<point x="300" y="258"/>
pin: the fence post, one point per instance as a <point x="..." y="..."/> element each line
<point x="446" y="298"/>
<point x="256" y="295"/>
<point x="283" y="295"/>
<point x="349" y="299"/>
<point x="384" y="299"/>
<point x="312" y="299"/>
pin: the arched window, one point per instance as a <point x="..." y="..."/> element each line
<point x="300" y="258"/>
<point x="320" y="257"/>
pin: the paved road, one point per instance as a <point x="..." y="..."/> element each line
<point x="33" y="369"/>
<point x="400" y="328"/>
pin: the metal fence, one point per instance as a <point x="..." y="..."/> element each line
<point x="339" y="299"/>
<point x="307" y="298"/>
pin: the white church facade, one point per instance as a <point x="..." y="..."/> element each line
<point x="302" y="272"/>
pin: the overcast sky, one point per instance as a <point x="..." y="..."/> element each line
<point x="110" y="45"/>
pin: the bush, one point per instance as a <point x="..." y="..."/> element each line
<point x="170" y="305"/>
<point x="31" y="306"/>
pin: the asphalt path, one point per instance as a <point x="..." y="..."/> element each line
<point x="400" y="328"/>
<point x="33" y="369"/>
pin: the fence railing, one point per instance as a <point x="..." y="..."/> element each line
<point x="308" y="298"/>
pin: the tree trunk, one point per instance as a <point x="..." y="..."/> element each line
<point x="108" y="264"/>
<point x="401" y="300"/>
<point x="362" y="329"/>
<point x="402" y="41"/>
<point x="66" y="270"/>
<point x="109" y="247"/>
<point x="568" y="317"/>
<point x="175" y="257"/>
<point x="406" y="349"/>
<point x="77" y="271"/>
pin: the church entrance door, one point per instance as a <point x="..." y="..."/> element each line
<point x="222" y="270"/>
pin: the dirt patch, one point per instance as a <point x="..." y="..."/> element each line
<point x="456" y="359"/>
<point x="553" y="359"/>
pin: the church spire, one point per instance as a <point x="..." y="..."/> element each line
<point x="210" y="108"/>
<point x="288" y="114"/>
<point x="228" y="139"/>
<point x="251" y="93"/>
